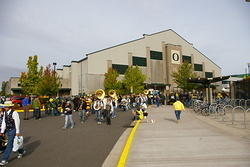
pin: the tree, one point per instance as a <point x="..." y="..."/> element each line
<point x="181" y="77"/>
<point x="30" y="79"/>
<point x="110" y="81"/>
<point x="133" y="80"/>
<point x="49" y="83"/>
<point x="4" y="85"/>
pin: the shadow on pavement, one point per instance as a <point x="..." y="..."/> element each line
<point x="32" y="146"/>
<point x="171" y="120"/>
<point x="26" y="139"/>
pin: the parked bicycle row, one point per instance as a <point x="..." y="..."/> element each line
<point x="230" y="110"/>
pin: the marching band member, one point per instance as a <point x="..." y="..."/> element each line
<point x="124" y="103"/>
<point x="114" y="106"/>
<point x="108" y="108"/>
<point x="82" y="110"/>
<point x="98" y="107"/>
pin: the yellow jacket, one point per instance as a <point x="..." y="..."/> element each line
<point x="178" y="106"/>
<point x="139" y="113"/>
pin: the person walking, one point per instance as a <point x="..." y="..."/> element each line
<point x="178" y="107"/>
<point x="11" y="126"/>
<point x="68" y="116"/>
<point x="25" y="104"/>
<point x="36" y="106"/>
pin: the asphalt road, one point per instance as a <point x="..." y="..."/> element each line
<point x="86" y="145"/>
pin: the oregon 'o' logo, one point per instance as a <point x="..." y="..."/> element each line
<point x="175" y="57"/>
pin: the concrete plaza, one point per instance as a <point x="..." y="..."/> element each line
<point x="194" y="142"/>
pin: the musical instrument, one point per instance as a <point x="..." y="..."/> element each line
<point x="97" y="105"/>
<point x="100" y="94"/>
<point x="112" y="93"/>
<point x="146" y="92"/>
<point x="4" y="141"/>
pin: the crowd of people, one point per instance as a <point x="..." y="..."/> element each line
<point x="104" y="108"/>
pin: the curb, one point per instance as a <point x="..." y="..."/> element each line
<point x="124" y="155"/>
<point x="118" y="153"/>
<point x="29" y="110"/>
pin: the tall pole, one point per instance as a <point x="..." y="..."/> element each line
<point x="248" y="64"/>
<point x="54" y="64"/>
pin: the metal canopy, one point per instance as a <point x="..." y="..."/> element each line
<point x="207" y="81"/>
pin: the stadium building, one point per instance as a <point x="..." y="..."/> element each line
<point x="157" y="55"/>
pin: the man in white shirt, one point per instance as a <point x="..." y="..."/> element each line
<point x="10" y="126"/>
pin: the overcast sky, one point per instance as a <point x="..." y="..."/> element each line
<point x="65" y="30"/>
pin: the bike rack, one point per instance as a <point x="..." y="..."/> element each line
<point x="245" y="114"/>
<point x="218" y="109"/>
<point x="233" y="113"/>
<point x="224" y="110"/>
<point x="246" y="103"/>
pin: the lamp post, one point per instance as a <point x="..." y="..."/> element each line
<point x="54" y="64"/>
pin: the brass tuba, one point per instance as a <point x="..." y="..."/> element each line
<point x="100" y="94"/>
<point x="112" y="93"/>
<point x="146" y="92"/>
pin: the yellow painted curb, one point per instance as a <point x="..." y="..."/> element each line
<point x="29" y="110"/>
<point x="124" y="155"/>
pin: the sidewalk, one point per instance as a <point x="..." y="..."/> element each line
<point x="191" y="143"/>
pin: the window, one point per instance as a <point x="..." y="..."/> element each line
<point x="120" y="68"/>
<point x="186" y="59"/>
<point x="156" y="55"/>
<point x="208" y="74"/>
<point x="198" y="67"/>
<point x="139" y="61"/>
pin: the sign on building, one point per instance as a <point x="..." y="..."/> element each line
<point x="175" y="57"/>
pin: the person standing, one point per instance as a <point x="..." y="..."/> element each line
<point x="178" y="107"/>
<point x="98" y="107"/>
<point x="25" y="104"/>
<point x="36" y="106"/>
<point x="157" y="100"/>
<point x="11" y="126"/>
<point x="82" y="110"/>
<point x="68" y="116"/>
<point x="107" y="109"/>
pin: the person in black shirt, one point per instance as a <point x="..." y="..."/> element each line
<point x="68" y="116"/>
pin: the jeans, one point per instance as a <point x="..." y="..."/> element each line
<point x="98" y="115"/>
<point x="11" y="135"/>
<point x="178" y="114"/>
<point x="82" y="115"/>
<point x="26" y="112"/>
<point x="37" y="113"/>
<point x="114" y="113"/>
<point x="157" y="103"/>
<point x="107" y="114"/>
<point x="68" y="120"/>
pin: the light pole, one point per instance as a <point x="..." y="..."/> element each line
<point x="54" y="64"/>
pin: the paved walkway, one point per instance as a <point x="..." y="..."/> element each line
<point x="190" y="143"/>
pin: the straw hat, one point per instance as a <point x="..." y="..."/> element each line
<point x="7" y="104"/>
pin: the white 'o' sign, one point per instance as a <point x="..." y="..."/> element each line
<point x="175" y="57"/>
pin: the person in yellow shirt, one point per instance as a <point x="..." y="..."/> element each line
<point x="178" y="107"/>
